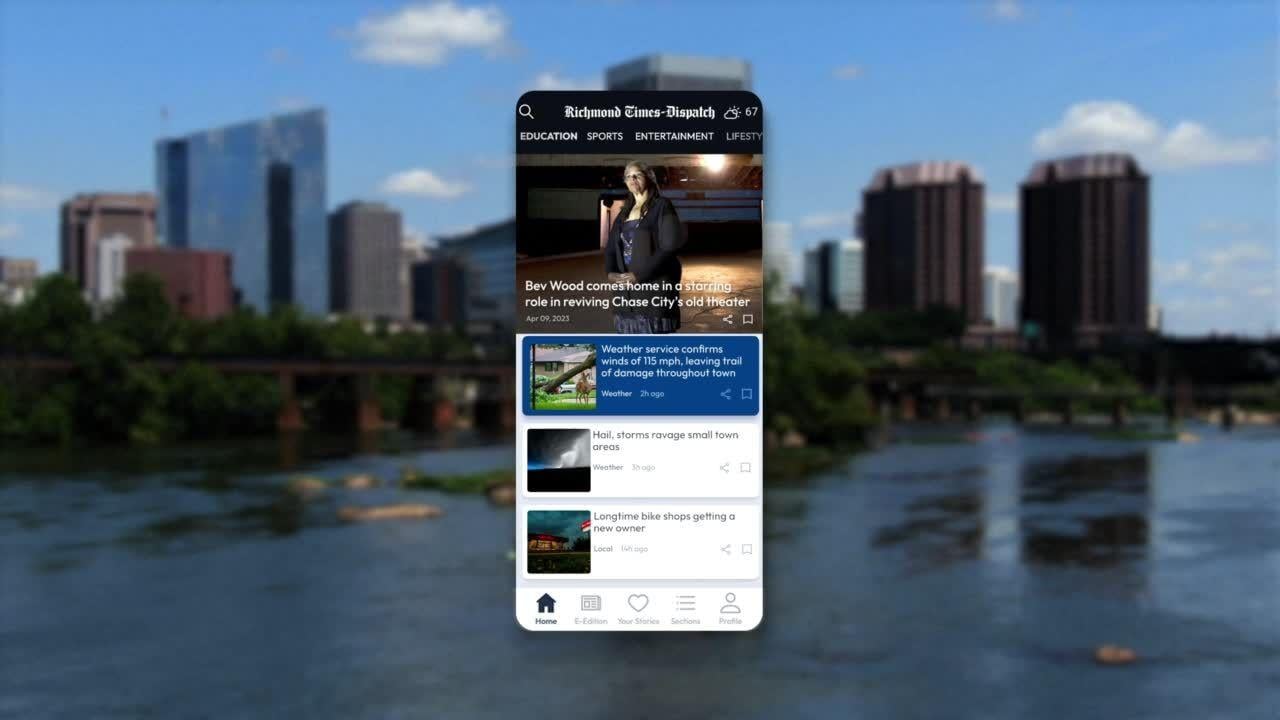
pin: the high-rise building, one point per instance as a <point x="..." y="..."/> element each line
<point x="923" y="229"/>
<point x="110" y="268"/>
<point x="1000" y="297"/>
<point x="1155" y="318"/>
<point x="777" y="260"/>
<point x="833" y="277"/>
<point x="196" y="282"/>
<point x="87" y="218"/>
<point x="17" y="279"/>
<point x="18" y="272"/>
<point x="679" y="72"/>
<point x="412" y="251"/>
<point x="486" y="253"/>
<point x="849" y="274"/>
<point x="257" y="191"/>
<point x="816" y="290"/>
<point x="440" y="292"/>
<point x="1085" y="250"/>
<point x="365" y="257"/>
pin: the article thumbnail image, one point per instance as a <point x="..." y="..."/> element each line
<point x="559" y="460"/>
<point x="647" y="244"/>
<point x="559" y="542"/>
<point x="563" y="377"/>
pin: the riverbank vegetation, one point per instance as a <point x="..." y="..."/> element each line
<point x="473" y="483"/>
<point x="113" y="394"/>
<point x="816" y="367"/>
<point x="815" y="383"/>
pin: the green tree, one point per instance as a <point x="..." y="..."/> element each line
<point x="253" y="401"/>
<point x="290" y="333"/>
<point x="53" y="316"/>
<point x="811" y="386"/>
<point x="346" y="338"/>
<point x="51" y="419"/>
<point x="118" y="397"/>
<point x="200" y="401"/>
<point x="143" y="316"/>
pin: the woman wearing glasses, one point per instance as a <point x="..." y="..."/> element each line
<point x="642" y="247"/>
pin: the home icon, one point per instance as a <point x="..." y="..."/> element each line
<point x="546" y="604"/>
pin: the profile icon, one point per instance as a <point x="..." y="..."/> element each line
<point x="729" y="608"/>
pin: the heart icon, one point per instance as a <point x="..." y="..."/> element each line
<point x="638" y="602"/>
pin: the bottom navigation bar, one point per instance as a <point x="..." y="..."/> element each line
<point x="586" y="608"/>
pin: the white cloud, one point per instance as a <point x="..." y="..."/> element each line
<point x="1116" y="126"/>
<point x="1002" y="202"/>
<point x="550" y="80"/>
<point x="9" y="230"/>
<point x="827" y="219"/>
<point x="1232" y="267"/>
<point x="1008" y="10"/>
<point x="424" y="183"/>
<point x="1223" y="313"/>
<point x="1169" y="273"/>
<point x="1237" y="253"/>
<point x="1189" y="144"/>
<point x="1225" y="289"/>
<point x="17" y="197"/>
<point x="849" y="72"/>
<point x="1098" y="125"/>
<point x="1238" y="270"/>
<point x="425" y="35"/>
<point x="1214" y="302"/>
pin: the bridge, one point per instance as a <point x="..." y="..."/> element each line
<point x="908" y="390"/>
<point x="494" y="403"/>
<point x="909" y="393"/>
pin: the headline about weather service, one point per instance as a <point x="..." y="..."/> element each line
<point x="639" y="346"/>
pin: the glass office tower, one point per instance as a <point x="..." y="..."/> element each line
<point x="257" y="191"/>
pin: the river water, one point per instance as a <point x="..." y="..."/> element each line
<point x="925" y="579"/>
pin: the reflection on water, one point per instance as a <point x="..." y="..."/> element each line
<point x="925" y="579"/>
<point x="281" y="517"/>
<point x="1101" y="540"/>
<point x="938" y="529"/>
<point x="1086" y="510"/>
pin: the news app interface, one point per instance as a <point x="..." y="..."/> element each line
<point x="639" y="347"/>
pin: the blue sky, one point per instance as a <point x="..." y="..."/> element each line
<point x="419" y="100"/>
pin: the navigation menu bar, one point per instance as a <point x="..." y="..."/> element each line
<point x="637" y="123"/>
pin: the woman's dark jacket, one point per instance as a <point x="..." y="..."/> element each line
<point x="653" y="257"/>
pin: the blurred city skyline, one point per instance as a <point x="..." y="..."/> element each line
<point x="419" y="104"/>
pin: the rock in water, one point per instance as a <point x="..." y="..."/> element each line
<point x="1114" y="655"/>
<point x="793" y="439"/>
<point x="359" y="481"/>
<point x="503" y="494"/>
<point x="403" y="511"/>
<point x="306" y="487"/>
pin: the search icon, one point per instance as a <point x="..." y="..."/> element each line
<point x="525" y="111"/>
